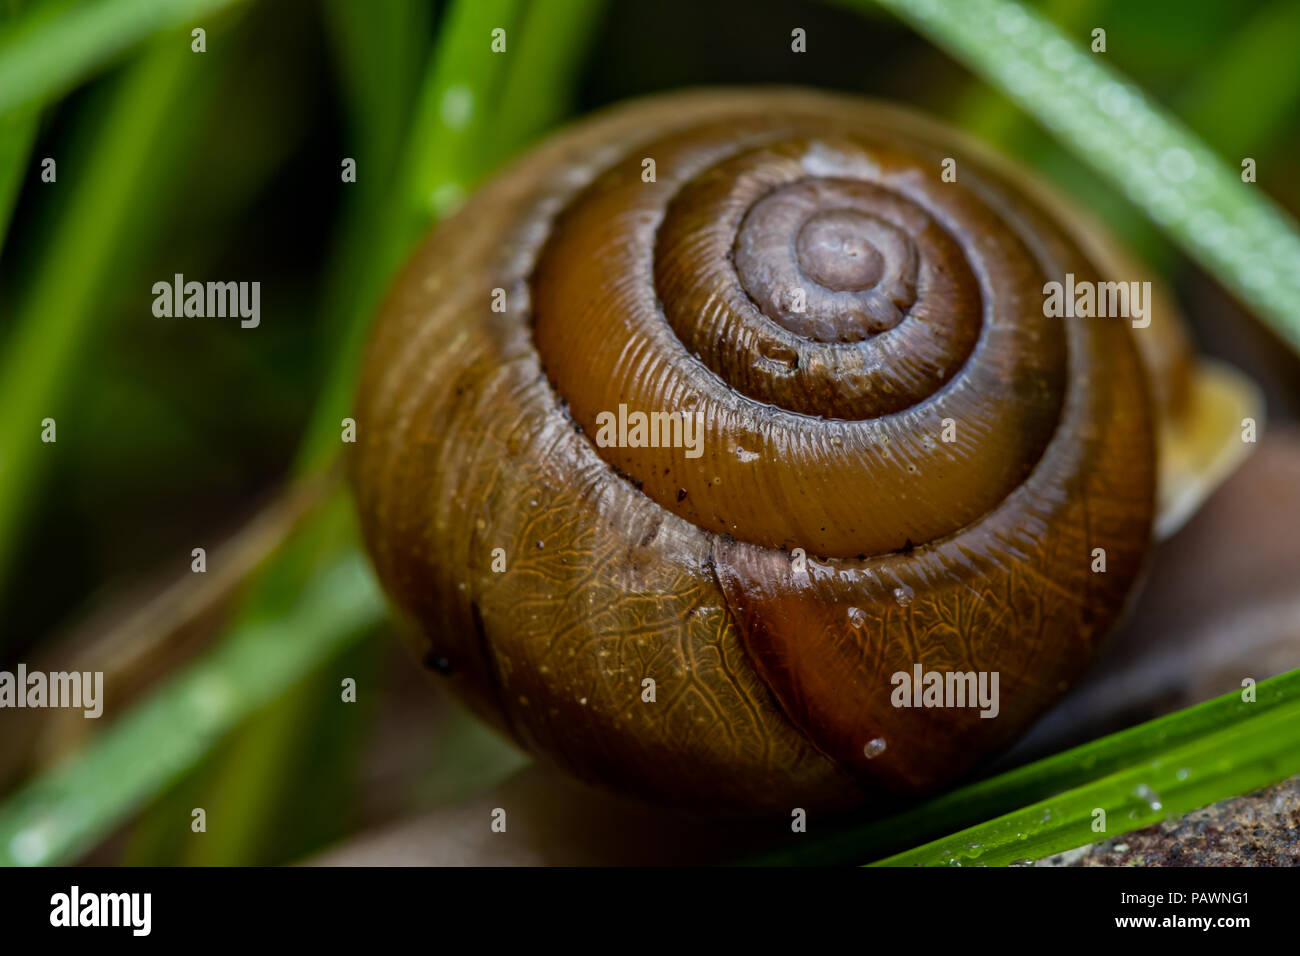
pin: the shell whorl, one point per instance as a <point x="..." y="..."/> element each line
<point x="680" y="295"/>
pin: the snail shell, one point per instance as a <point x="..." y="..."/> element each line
<point x="903" y="462"/>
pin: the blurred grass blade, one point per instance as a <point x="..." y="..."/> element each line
<point x="438" y="163"/>
<point x="1232" y="228"/>
<point x="469" y="116"/>
<point x="447" y="150"/>
<point x="379" y="52"/>
<point x="55" y="45"/>
<point x="258" y="777"/>
<point x="76" y="804"/>
<point x="1258" y="65"/>
<point x="381" y="56"/>
<point x="87" y="244"/>
<point x="1240" y="757"/>
<point x="543" y="70"/>
<point x="17" y="134"/>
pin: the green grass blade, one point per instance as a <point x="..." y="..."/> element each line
<point x="1079" y="767"/>
<point x="457" y="110"/>
<point x="1232" y="228"/>
<point x="1241" y="757"/>
<point x="56" y="817"/>
<point x="1250" y="64"/>
<point x="54" y="46"/>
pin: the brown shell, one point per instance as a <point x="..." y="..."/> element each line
<point x="822" y="431"/>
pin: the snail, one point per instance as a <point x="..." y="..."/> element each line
<point x="695" y="428"/>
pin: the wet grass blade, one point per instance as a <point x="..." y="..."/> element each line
<point x="457" y="110"/>
<point x="60" y="814"/>
<point x="1030" y="790"/>
<point x="1243" y="756"/>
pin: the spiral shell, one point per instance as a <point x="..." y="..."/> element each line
<point x="904" y="463"/>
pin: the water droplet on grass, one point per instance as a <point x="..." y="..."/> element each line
<point x="1149" y="796"/>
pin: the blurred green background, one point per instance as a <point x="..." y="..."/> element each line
<point x="173" y="434"/>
